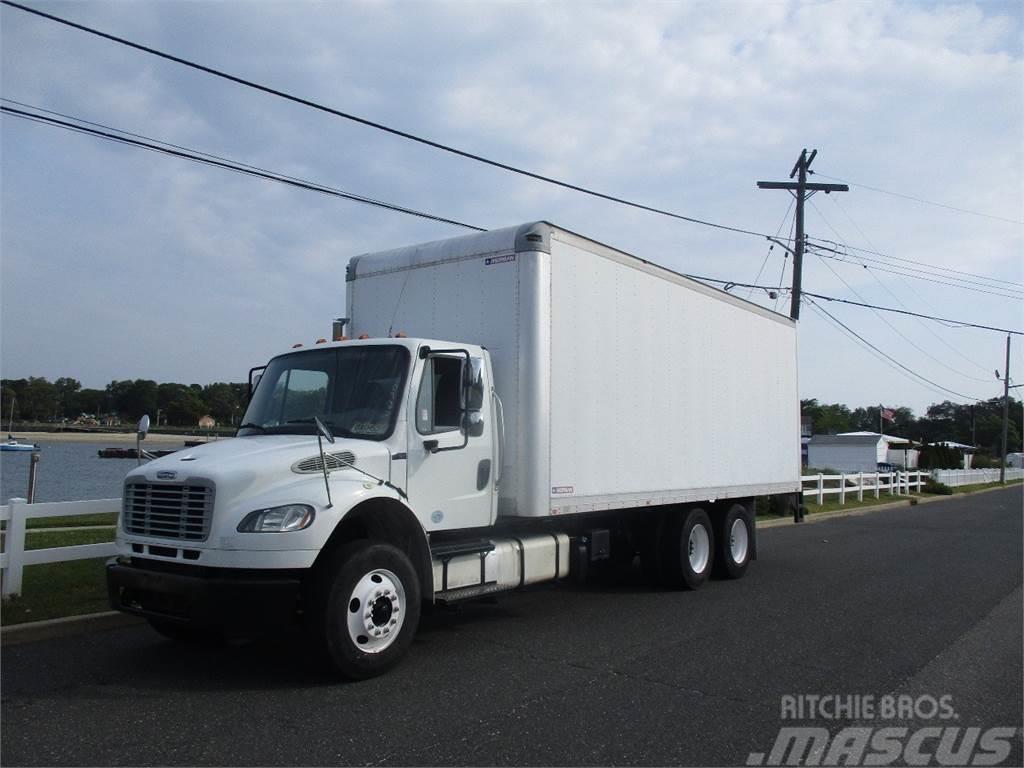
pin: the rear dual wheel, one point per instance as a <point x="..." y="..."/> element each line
<point x="686" y="551"/>
<point x="735" y="532"/>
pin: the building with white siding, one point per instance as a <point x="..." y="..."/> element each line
<point x="860" y="452"/>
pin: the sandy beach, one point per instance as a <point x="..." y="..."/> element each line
<point x="114" y="438"/>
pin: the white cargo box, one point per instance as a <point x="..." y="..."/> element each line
<point x="624" y="384"/>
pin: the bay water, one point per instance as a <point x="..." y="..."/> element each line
<point x="66" y="472"/>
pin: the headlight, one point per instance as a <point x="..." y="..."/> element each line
<point x="290" y="517"/>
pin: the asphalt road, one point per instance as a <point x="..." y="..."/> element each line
<point x="922" y="601"/>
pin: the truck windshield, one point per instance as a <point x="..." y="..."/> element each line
<point x="356" y="391"/>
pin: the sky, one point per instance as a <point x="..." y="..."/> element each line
<point x="119" y="263"/>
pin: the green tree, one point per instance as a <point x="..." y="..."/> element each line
<point x="186" y="409"/>
<point x="133" y="398"/>
<point x="38" y="400"/>
<point x="67" y="396"/>
<point x="90" y="401"/>
<point x="827" y="419"/>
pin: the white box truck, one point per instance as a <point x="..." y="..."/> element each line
<point x="514" y="406"/>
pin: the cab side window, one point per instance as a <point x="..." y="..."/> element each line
<point x="438" y="403"/>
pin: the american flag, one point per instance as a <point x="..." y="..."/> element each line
<point x="889" y="414"/>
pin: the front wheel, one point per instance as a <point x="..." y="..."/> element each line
<point x="366" y="608"/>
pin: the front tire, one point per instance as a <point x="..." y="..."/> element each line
<point x="366" y="608"/>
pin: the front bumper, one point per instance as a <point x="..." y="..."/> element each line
<point x="203" y="596"/>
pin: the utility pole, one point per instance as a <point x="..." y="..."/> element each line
<point x="1006" y="409"/>
<point x="802" y="191"/>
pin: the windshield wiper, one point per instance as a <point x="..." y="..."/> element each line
<point x="250" y="425"/>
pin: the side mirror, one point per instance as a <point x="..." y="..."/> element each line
<point x="255" y="374"/>
<point x="323" y="429"/>
<point x="140" y="436"/>
<point x="473" y="383"/>
<point x="473" y="423"/>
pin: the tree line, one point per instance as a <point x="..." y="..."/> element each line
<point x="40" y="400"/>
<point x="979" y="424"/>
<point x="37" y="399"/>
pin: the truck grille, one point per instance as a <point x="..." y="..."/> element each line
<point x="168" y="510"/>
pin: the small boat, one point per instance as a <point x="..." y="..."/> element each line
<point x="12" y="444"/>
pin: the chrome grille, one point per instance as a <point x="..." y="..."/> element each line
<point x="168" y="510"/>
<point x="339" y="460"/>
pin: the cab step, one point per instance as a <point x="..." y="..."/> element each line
<point x="465" y="593"/>
<point x="446" y="550"/>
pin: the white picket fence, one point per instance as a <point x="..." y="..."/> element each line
<point x="15" y="557"/>
<point x="954" y="477"/>
<point x="873" y="483"/>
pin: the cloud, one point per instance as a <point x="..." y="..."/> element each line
<point x="680" y="105"/>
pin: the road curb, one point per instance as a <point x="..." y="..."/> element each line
<point x="66" y="626"/>
<point x="855" y="511"/>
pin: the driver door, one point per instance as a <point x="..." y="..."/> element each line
<point x="450" y="464"/>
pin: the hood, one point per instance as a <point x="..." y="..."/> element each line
<point x="249" y="464"/>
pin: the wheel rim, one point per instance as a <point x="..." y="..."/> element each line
<point x="699" y="548"/>
<point x="738" y="541"/>
<point x="376" y="611"/>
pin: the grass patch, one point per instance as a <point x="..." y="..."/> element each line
<point x="47" y="539"/>
<point x="832" y="502"/>
<point x="58" y="589"/>
<point x="103" y="518"/>
<point x="982" y="486"/>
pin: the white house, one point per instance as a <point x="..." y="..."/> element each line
<point x="860" y="452"/>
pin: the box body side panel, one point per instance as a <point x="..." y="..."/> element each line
<point x="662" y="392"/>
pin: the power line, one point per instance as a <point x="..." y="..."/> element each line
<point x="921" y="200"/>
<point x="966" y="287"/>
<point x="892" y="359"/>
<point x="247" y="170"/>
<point x="900" y="333"/>
<point x="376" y="125"/>
<point x="912" y="261"/>
<point x="823" y="297"/>
<point x="256" y="172"/>
<point x="915" y="272"/>
<point x="959" y="323"/>
<point x="918" y="295"/>
<point x="771" y="246"/>
<point x="785" y="261"/>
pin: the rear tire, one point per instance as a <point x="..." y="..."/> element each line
<point x="734" y="532"/>
<point x="686" y="550"/>
<point x="365" y="608"/>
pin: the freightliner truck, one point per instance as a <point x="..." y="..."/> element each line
<point x="513" y="407"/>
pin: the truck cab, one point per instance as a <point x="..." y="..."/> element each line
<point x="382" y="439"/>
